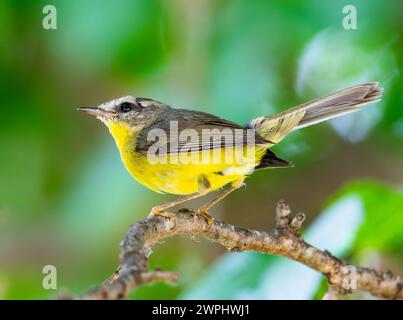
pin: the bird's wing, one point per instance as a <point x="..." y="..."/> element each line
<point x="187" y="130"/>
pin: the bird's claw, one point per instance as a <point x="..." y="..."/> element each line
<point x="203" y="213"/>
<point x="161" y="213"/>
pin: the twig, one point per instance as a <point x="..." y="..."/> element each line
<point x="285" y="240"/>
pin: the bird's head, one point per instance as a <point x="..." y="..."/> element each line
<point x="131" y="112"/>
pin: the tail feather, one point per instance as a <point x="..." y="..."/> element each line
<point x="270" y="160"/>
<point x="275" y="128"/>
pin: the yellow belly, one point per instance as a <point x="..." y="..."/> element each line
<point x="180" y="174"/>
<point x="176" y="177"/>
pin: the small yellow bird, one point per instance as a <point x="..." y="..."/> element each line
<point x="155" y="141"/>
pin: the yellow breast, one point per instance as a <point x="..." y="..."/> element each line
<point x="179" y="175"/>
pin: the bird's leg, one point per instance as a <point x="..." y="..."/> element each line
<point x="203" y="211"/>
<point x="159" y="210"/>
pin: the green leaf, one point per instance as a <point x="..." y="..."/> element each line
<point x="383" y="206"/>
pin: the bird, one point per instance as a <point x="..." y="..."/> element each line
<point x="168" y="150"/>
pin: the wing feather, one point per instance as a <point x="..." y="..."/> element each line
<point x="196" y="131"/>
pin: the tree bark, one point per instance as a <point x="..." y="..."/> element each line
<point x="285" y="240"/>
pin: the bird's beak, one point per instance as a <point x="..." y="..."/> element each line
<point x="97" y="112"/>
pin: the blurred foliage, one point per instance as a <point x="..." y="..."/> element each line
<point x="66" y="200"/>
<point x="383" y="227"/>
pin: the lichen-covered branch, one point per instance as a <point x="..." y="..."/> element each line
<point x="285" y="240"/>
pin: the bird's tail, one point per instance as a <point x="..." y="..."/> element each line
<point x="274" y="128"/>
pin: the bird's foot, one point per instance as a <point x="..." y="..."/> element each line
<point x="155" y="212"/>
<point x="204" y="213"/>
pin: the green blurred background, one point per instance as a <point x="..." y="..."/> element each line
<point x="66" y="199"/>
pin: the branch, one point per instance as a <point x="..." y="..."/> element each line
<point x="285" y="240"/>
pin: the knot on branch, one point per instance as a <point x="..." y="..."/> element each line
<point x="284" y="220"/>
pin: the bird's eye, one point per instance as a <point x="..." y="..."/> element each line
<point x="126" y="107"/>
